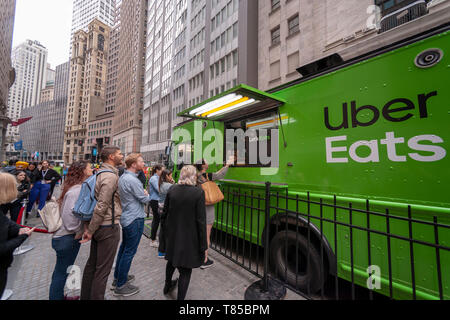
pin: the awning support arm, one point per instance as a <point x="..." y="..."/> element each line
<point x="281" y="125"/>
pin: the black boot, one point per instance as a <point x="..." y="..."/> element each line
<point x="169" y="286"/>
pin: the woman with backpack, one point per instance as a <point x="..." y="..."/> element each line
<point x="66" y="240"/>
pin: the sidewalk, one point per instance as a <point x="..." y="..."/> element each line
<point x="30" y="275"/>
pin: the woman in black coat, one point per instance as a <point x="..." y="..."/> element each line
<point x="11" y="234"/>
<point x="184" y="229"/>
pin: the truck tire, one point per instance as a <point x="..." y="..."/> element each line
<point x="286" y="268"/>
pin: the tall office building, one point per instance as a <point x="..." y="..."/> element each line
<point x="84" y="11"/>
<point x="30" y="62"/>
<point x="127" y="124"/>
<point x="295" y="33"/>
<point x="100" y="130"/>
<point x="195" y="50"/>
<point x="44" y="133"/>
<point x="7" y="74"/>
<point x="86" y="98"/>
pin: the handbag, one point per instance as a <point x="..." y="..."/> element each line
<point x="50" y="216"/>
<point x="213" y="194"/>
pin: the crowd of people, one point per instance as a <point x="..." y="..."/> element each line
<point x="35" y="185"/>
<point x="179" y="210"/>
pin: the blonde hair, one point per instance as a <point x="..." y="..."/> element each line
<point x="8" y="188"/>
<point x="132" y="158"/>
<point x="188" y="175"/>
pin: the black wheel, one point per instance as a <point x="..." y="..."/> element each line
<point x="293" y="267"/>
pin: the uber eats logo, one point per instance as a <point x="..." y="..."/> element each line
<point x="423" y="148"/>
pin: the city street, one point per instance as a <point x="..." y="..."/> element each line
<point x="313" y="136"/>
<point x="30" y="275"/>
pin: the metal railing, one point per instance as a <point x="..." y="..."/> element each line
<point x="403" y="15"/>
<point x="331" y="248"/>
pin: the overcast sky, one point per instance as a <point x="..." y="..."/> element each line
<point x="47" y="21"/>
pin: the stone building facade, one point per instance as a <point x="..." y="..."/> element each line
<point x="7" y="73"/>
<point x="293" y="33"/>
<point x="195" y="50"/>
<point x="87" y="86"/>
<point x="127" y="123"/>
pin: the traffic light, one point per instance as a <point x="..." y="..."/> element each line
<point x="80" y="143"/>
<point x="106" y="140"/>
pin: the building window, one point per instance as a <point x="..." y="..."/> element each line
<point x="293" y="62"/>
<point x="293" y="25"/>
<point x="101" y="42"/>
<point x="275" y="4"/>
<point x="275" y="70"/>
<point x="275" y="36"/>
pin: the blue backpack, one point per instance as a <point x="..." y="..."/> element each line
<point x="86" y="202"/>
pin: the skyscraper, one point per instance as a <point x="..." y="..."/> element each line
<point x="127" y="124"/>
<point x="86" y="99"/>
<point x="100" y="129"/>
<point x="7" y="75"/>
<point x="29" y="59"/>
<point x="195" y="50"/>
<point x="84" y="11"/>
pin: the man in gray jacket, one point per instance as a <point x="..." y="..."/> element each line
<point x="103" y="231"/>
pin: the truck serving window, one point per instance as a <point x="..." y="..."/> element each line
<point x="185" y="154"/>
<point x="248" y="139"/>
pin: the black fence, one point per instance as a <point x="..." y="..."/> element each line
<point x="335" y="248"/>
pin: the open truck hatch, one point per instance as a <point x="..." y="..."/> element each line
<point x="233" y="104"/>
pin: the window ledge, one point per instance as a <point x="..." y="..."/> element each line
<point x="274" y="11"/>
<point x="293" y="35"/>
<point x="274" y="45"/>
<point x="275" y="80"/>
<point x="292" y="74"/>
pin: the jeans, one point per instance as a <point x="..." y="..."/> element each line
<point x="40" y="191"/>
<point x="66" y="253"/>
<point x="131" y="236"/>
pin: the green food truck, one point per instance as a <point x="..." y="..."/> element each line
<point x="376" y="129"/>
